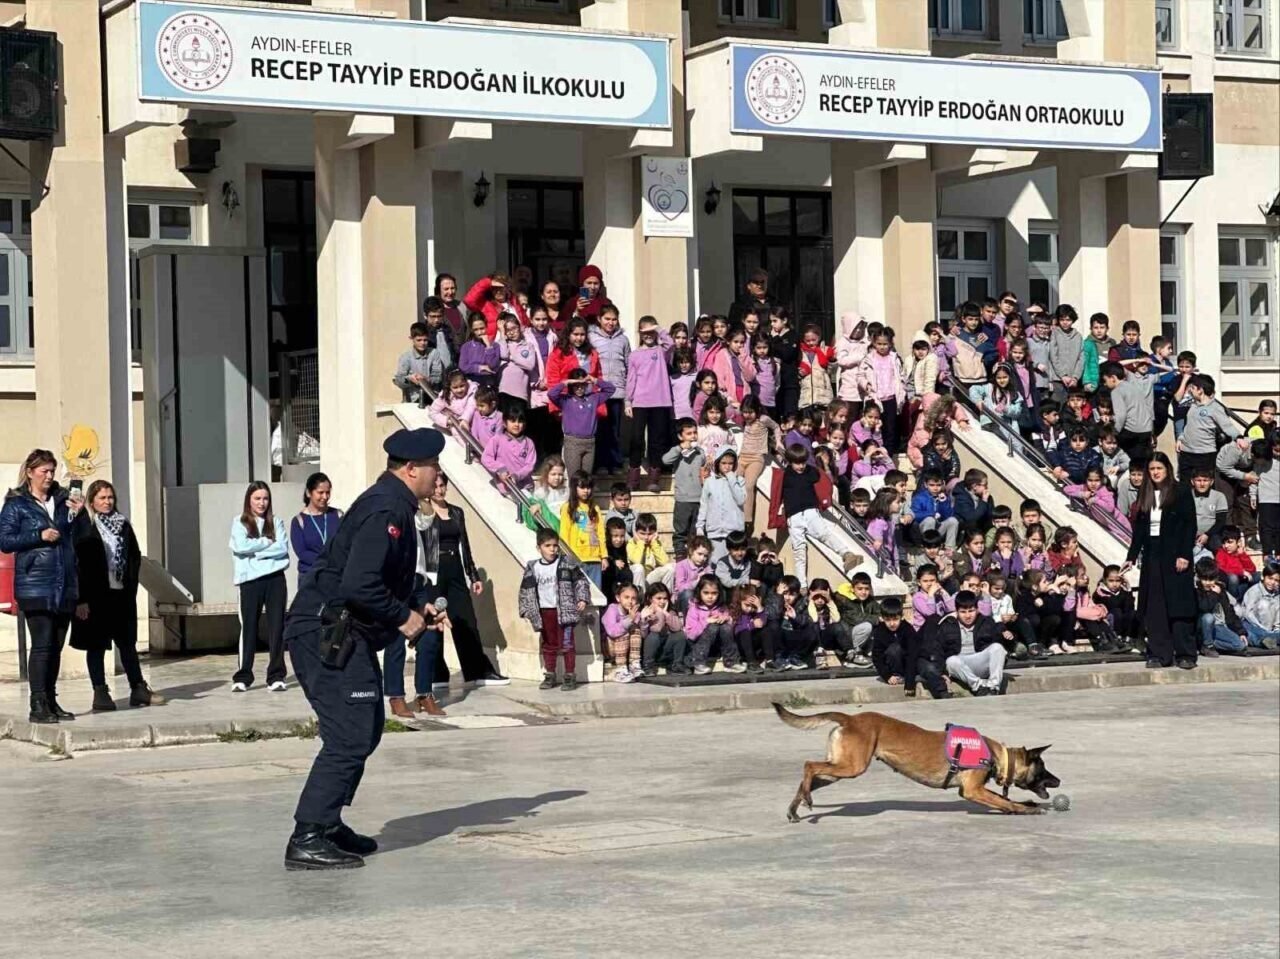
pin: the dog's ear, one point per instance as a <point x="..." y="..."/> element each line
<point x="1038" y="750"/>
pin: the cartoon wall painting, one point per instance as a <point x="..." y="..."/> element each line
<point x="80" y="451"/>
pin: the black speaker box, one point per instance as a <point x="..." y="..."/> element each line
<point x="1188" y="136"/>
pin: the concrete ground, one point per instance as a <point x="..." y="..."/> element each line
<point x="667" y="837"/>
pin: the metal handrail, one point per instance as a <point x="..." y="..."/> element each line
<point x="475" y="453"/>
<point x="1021" y="449"/>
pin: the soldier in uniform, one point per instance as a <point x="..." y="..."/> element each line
<point x="369" y="575"/>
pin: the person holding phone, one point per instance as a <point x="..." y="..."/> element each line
<point x="35" y="525"/>
<point x="592" y="295"/>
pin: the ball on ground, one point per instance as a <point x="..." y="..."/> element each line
<point x="1061" y="802"/>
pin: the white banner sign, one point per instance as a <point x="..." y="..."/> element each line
<point x="306" y="60"/>
<point x="666" y="200"/>
<point x="815" y="92"/>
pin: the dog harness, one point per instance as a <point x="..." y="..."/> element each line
<point x="965" y="748"/>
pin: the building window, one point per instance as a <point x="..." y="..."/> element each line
<point x="751" y="11"/>
<point x="1240" y="26"/>
<point x="830" y="13"/>
<point x="966" y="264"/>
<point x="1247" y="296"/>
<point x="551" y="6"/>
<point x="1166" y="24"/>
<point x="1172" y="287"/>
<point x="151" y="223"/>
<point x="1043" y="21"/>
<point x="953" y="17"/>
<point x="17" y="317"/>
<point x="545" y="232"/>
<point x="788" y="234"/>
<point x="1042" y="266"/>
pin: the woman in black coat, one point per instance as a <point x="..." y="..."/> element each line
<point x="107" y="563"/>
<point x="35" y="526"/>
<point x="1164" y="535"/>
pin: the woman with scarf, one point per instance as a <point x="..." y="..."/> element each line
<point x="107" y="563"/>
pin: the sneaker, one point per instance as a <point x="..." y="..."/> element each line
<point x="858" y="659"/>
<point x="637" y="671"/>
<point x="1268" y="643"/>
<point x="492" y="679"/>
<point x="701" y="669"/>
<point x="570" y="683"/>
<point x="1185" y="662"/>
<point x="736" y="668"/>
<point x="278" y="686"/>
<point x="796" y="663"/>
<point x="548" y="681"/>
<point x="239" y="688"/>
<point x="1210" y="651"/>
<point x="754" y="668"/>
<point x="776" y="665"/>
<point x="623" y="675"/>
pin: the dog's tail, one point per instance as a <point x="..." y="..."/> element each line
<point x="807" y="722"/>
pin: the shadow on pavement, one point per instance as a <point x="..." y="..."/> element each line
<point x="876" y="807"/>
<point x="191" y="690"/>
<point x="410" y="831"/>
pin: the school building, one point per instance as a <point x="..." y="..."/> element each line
<point x="209" y="267"/>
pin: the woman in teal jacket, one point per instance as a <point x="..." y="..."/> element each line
<point x="260" y="551"/>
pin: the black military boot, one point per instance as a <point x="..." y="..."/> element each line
<point x="310" y="848"/>
<point x="40" y="711"/>
<point x="62" y="714"/>
<point x="102" y="701"/>
<point x="348" y="840"/>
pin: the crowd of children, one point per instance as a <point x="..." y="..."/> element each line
<point x="546" y="390"/>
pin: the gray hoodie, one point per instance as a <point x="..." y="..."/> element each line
<point x="720" y="512"/>
<point x="688" y="473"/>
<point x="1133" y="404"/>
<point x="1261" y="607"/>
<point x="615" y="353"/>
<point x="1204" y="421"/>
<point x="1066" y="354"/>
<point x="1038" y="353"/>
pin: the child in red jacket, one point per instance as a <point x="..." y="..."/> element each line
<point x="1235" y="564"/>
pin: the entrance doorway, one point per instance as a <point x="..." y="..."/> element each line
<point x="788" y="234"/>
<point x="545" y="232"/>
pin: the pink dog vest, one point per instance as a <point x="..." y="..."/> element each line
<point x="966" y="749"/>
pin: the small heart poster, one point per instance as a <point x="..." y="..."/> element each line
<point x="667" y="196"/>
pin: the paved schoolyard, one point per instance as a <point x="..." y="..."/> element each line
<point x="667" y="837"/>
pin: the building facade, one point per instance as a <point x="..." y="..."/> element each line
<point x="183" y="311"/>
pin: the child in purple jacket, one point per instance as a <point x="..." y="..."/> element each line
<point x="649" y="402"/>
<point x="578" y="396"/>
<point x="929" y="598"/>
<point x="486" y="421"/>
<point x="480" y="357"/>
<point x="510" y="455"/>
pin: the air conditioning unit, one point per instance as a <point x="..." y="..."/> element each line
<point x="28" y="84"/>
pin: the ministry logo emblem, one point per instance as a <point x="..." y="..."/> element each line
<point x="193" y="51"/>
<point x="775" y="89"/>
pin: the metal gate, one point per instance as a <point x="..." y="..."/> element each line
<point x="300" y="407"/>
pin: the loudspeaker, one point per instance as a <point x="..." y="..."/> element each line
<point x="196" y="154"/>
<point x="1188" y="136"/>
<point x="28" y="84"/>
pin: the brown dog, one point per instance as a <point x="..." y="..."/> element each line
<point x="918" y="754"/>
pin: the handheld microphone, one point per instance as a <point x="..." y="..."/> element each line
<point x="441" y="604"/>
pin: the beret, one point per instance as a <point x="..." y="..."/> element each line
<point x="414" y="445"/>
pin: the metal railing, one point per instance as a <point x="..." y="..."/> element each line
<point x="474" y="453"/>
<point x="1028" y="453"/>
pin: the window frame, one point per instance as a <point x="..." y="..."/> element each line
<point x="16" y="245"/>
<point x="830" y="13"/>
<point x="1242" y="275"/>
<point x="1235" y="9"/>
<point x="955" y="15"/>
<point x="963" y="270"/>
<point x="1175" y="273"/>
<point x="1048" y="271"/>
<point x="751" y="13"/>
<point x="1174" y="33"/>
<point x="1049" y="10"/>
<point x="153" y="202"/>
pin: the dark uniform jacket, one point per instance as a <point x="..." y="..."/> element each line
<point x="44" y="573"/>
<point x="370" y="567"/>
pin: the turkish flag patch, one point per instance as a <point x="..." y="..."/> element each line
<point x="393" y="532"/>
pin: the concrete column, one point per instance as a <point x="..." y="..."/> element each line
<point x="75" y="352"/>
<point x="1115" y="32"/>
<point x="1133" y="250"/>
<point x="910" y="267"/>
<point x="367" y="282"/>
<point x="1082" y="236"/>
<point x="857" y="233"/>
<point x="644" y="275"/>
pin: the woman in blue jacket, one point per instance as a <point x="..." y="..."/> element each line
<point x="314" y="528"/>
<point x="35" y="525"/>
<point x="260" y="549"/>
